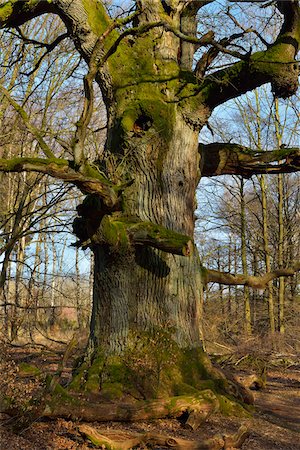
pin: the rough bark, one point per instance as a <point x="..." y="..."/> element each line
<point x="146" y="287"/>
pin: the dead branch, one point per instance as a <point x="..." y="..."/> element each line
<point x="255" y="282"/>
<point x="120" y="232"/>
<point x="117" y="439"/>
<point x="221" y="158"/>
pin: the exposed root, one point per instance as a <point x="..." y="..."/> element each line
<point x="198" y="409"/>
<point x="120" y="440"/>
<point x="236" y="440"/>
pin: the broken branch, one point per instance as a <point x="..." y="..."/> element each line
<point x="234" y="159"/>
<point x="117" y="439"/>
<point x="120" y="233"/>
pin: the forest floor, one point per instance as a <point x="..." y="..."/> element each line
<point x="275" y="424"/>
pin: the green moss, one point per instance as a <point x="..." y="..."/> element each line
<point x="115" y="234"/>
<point x="112" y="391"/>
<point x="155" y="367"/>
<point x="92" y="383"/>
<point x="116" y="369"/>
<point x="230" y="407"/>
<point x="162" y="114"/>
<point x="58" y="392"/>
<point x="146" y="100"/>
<point x="28" y="370"/>
<point x="92" y="172"/>
<point x="193" y="366"/>
<point x="204" y="274"/>
<point x="94" y="374"/>
<point x="79" y="378"/>
<point x="140" y="88"/>
<point x="98" y="19"/>
<point x="12" y="164"/>
<point x="5" y="11"/>
<point x="128" y="119"/>
<point x="184" y="389"/>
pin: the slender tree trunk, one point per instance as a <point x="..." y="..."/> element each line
<point x="5" y="287"/>
<point x="78" y="293"/>
<point x="229" y="295"/>
<point x="36" y="284"/>
<point x="263" y="189"/>
<point x="221" y="299"/>
<point x="281" y="293"/>
<point x="247" y="306"/>
<point x="17" y="314"/>
<point x="265" y="221"/>
<point x="236" y="270"/>
<point x="53" y="293"/>
<point x="255" y="308"/>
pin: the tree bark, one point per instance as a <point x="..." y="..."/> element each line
<point x="145" y="287"/>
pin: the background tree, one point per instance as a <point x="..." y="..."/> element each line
<point x="33" y="205"/>
<point x="250" y="116"/>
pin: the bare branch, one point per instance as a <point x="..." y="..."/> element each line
<point x="255" y="282"/>
<point x="277" y="65"/>
<point x="234" y="159"/>
<point x="252" y="30"/>
<point x="89" y="181"/>
<point x="121" y="233"/>
<point x="30" y="127"/>
<point x="49" y="49"/>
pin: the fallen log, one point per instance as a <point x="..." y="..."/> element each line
<point x="200" y="407"/>
<point x="120" y="440"/>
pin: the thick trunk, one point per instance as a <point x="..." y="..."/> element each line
<point x="144" y="291"/>
<point x="143" y="288"/>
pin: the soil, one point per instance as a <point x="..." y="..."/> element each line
<point x="275" y="424"/>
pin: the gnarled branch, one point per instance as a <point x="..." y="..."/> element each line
<point x="118" y="439"/>
<point x="122" y="232"/>
<point x="233" y="159"/>
<point x="277" y="65"/>
<point x="89" y="180"/>
<point x="255" y="282"/>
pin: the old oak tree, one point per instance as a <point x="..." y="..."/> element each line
<point x="155" y="69"/>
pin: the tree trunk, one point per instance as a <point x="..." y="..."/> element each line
<point x="281" y="292"/>
<point x="144" y="288"/>
<point x="267" y="255"/>
<point x="142" y="294"/>
<point x="247" y="306"/>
